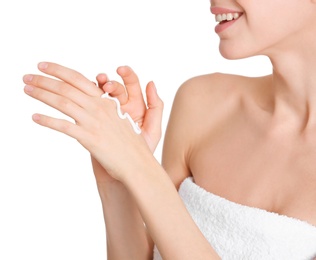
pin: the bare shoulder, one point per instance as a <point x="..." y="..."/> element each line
<point x="203" y="104"/>
<point x="216" y="95"/>
<point x="219" y="85"/>
<point x="211" y="86"/>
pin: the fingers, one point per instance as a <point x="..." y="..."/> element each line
<point x="117" y="90"/>
<point x="153" y="116"/>
<point x="131" y="82"/>
<point x="59" y="125"/>
<point x="102" y="78"/>
<point x="58" y="87"/>
<point x="61" y="103"/>
<point x="131" y="92"/>
<point x="114" y="88"/>
<point x="70" y="76"/>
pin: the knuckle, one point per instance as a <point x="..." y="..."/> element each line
<point x="76" y="77"/>
<point x="63" y="90"/>
<point x="38" y="80"/>
<point x="63" y="103"/>
<point x="159" y="104"/>
<point x="64" y="127"/>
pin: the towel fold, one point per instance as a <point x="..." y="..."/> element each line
<point x="241" y="232"/>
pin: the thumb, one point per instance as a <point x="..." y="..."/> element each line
<point x="153" y="117"/>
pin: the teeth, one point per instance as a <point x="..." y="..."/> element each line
<point x="226" y="17"/>
<point x="229" y="17"/>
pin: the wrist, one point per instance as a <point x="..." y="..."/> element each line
<point x="110" y="191"/>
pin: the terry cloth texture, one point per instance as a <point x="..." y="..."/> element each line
<point x="239" y="232"/>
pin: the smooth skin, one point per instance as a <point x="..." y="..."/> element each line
<point x="112" y="141"/>
<point x="249" y="140"/>
<point x="126" y="234"/>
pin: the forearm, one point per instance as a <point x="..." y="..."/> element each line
<point x="169" y="223"/>
<point x="127" y="237"/>
<point x="97" y="128"/>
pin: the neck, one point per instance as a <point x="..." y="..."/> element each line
<point x="294" y="84"/>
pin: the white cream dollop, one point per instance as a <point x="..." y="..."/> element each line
<point x="121" y="115"/>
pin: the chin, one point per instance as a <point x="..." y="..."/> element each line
<point x="234" y="53"/>
<point x="231" y="51"/>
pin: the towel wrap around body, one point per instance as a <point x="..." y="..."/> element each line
<point x="238" y="232"/>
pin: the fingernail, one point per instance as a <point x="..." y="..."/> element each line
<point x="28" y="88"/>
<point x="43" y="65"/>
<point x="36" y="117"/>
<point x="28" y="77"/>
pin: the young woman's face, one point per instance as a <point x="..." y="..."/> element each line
<point x="263" y="27"/>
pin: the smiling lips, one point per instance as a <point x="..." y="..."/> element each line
<point x="225" y="17"/>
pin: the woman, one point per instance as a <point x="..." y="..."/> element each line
<point x="240" y="151"/>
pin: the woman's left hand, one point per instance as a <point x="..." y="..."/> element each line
<point x="96" y="125"/>
<point x="147" y="115"/>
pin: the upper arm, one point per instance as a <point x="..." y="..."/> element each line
<point x="175" y="143"/>
<point x="196" y="110"/>
<point x="179" y="138"/>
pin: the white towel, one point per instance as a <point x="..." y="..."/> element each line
<point x="241" y="232"/>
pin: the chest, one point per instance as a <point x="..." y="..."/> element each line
<point x="248" y="169"/>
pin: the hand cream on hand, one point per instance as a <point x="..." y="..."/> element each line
<point x="121" y="115"/>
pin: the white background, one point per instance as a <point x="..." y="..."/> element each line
<point x="49" y="206"/>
